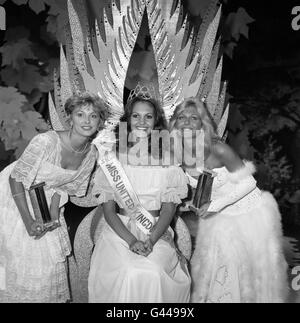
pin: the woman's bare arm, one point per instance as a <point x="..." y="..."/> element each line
<point x="166" y="216"/>
<point x="18" y="194"/>
<point x="111" y="217"/>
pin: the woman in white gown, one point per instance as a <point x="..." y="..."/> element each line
<point x="238" y="254"/>
<point x="128" y="266"/>
<point x="32" y="260"/>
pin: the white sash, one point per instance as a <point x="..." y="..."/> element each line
<point x="122" y="187"/>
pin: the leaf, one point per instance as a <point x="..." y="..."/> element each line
<point x="57" y="19"/>
<point x="15" y="53"/>
<point x="17" y="127"/>
<point x="229" y="48"/>
<point x="37" y="5"/>
<point x="27" y="79"/>
<point x="237" y="24"/>
<point x="10" y="95"/>
<point x="36" y="120"/>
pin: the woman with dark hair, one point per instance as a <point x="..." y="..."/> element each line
<point x="159" y="124"/>
<point x="127" y="264"/>
<point x="33" y="257"/>
<point x="238" y="254"/>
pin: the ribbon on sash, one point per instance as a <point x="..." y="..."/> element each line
<point x="123" y="189"/>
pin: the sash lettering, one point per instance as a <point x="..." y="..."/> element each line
<point x="122" y="187"/>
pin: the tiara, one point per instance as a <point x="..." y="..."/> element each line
<point x="146" y="92"/>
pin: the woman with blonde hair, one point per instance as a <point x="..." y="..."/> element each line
<point x="238" y="253"/>
<point x="33" y="266"/>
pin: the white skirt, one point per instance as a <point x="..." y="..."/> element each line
<point x="31" y="271"/>
<point x="239" y="258"/>
<point x="118" y="275"/>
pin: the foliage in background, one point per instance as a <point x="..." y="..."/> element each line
<point x="266" y="118"/>
<point x="259" y="114"/>
<point x="30" y="53"/>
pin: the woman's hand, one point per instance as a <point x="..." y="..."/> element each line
<point x="37" y="230"/>
<point x="138" y="248"/>
<point x="56" y="224"/>
<point x="202" y="211"/>
<point x="148" y="246"/>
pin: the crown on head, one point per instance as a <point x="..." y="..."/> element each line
<point x="145" y="91"/>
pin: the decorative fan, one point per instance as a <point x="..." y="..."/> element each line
<point x="93" y="64"/>
<point x="98" y="55"/>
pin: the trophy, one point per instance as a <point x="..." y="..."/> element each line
<point x="203" y="190"/>
<point x="40" y="206"/>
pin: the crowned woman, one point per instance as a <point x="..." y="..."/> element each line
<point x="130" y="264"/>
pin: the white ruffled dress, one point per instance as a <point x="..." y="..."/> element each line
<point x="118" y="275"/>
<point x="35" y="270"/>
<point x="238" y="256"/>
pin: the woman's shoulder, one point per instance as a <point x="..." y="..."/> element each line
<point x="221" y="149"/>
<point x="226" y="156"/>
<point x="44" y="140"/>
<point x="50" y="135"/>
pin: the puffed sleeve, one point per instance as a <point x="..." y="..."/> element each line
<point x="176" y="188"/>
<point x="27" y="166"/>
<point x="102" y="190"/>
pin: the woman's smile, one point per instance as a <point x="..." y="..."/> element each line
<point x="142" y="119"/>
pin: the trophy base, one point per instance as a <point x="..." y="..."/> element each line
<point x="49" y="226"/>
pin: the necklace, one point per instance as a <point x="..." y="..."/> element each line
<point x="74" y="150"/>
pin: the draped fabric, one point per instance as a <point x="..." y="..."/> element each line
<point x="118" y="275"/>
<point x="35" y="270"/>
<point x="238" y="256"/>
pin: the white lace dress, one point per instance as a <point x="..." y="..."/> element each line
<point x="118" y="275"/>
<point x="35" y="270"/>
<point x="238" y="256"/>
